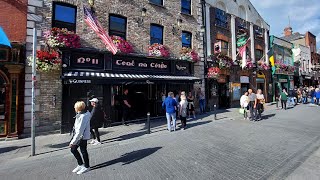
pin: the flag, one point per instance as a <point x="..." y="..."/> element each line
<point x="95" y="25"/>
<point x="243" y="53"/>
<point x="271" y="59"/>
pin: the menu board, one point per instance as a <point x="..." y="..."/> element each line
<point x="236" y="91"/>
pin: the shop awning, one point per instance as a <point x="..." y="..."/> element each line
<point x="3" y="38"/>
<point x="93" y="75"/>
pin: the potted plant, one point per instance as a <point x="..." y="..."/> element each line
<point x="122" y="45"/>
<point x="57" y="38"/>
<point x="46" y="61"/>
<point x="189" y="54"/>
<point x="158" y="50"/>
<point x="213" y="72"/>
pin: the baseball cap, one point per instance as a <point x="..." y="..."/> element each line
<point x="94" y="100"/>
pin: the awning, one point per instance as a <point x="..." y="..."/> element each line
<point x="98" y="75"/>
<point x="3" y="38"/>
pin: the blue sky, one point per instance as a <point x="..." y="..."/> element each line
<point x="304" y="15"/>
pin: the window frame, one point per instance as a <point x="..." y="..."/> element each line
<point x="54" y="22"/>
<point x="218" y="18"/>
<point x="189" y="10"/>
<point x="157" y="25"/>
<point x="118" y="32"/>
<point x="161" y="3"/>
<point x="6" y="50"/>
<point x="189" y="33"/>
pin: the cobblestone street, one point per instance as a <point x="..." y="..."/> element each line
<point x="278" y="147"/>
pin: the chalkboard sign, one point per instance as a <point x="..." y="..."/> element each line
<point x="236" y="91"/>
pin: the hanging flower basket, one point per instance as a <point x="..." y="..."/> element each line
<point x="291" y="69"/>
<point x="261" y="65"/>
<point x="158" y="50"/>
<point x="57" y="38"/>
<point x="225" y="62"/>
<point x="213" y="72"/>
<point x="280" y="65"/>
<point x="122" y="45"/>
<point x="189" y="54"/>
<point x="46" y="61"/>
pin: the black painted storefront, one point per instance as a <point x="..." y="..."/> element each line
<point x="88" y="72"/>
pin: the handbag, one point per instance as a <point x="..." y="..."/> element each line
<point x="241" y="111"/>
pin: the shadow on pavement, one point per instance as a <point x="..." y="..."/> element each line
<point x="268" y="116"/>
<point x="125" y="137"/>
<point x="128" y="158"/>
<point x="8" y="149"/>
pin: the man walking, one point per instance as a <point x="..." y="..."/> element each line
<point x="170" y="106"/>
<point x="96" y="121"/>
<point x="252" y="105"/>
<point x="125" y="107"/>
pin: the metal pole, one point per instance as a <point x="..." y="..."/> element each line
<point x="33" y="92"/>
<point x="215" y="112"/>
<point x="148" y="123"/>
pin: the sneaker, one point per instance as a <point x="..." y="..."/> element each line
<point x="83" y="170"/>
<point x="78" y="168"/>
<point x="96" y="143"/>
<point x="93" y="141"/>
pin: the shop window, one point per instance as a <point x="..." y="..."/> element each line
<point x="186" y="39"/>
<point x="221" y="18"/>
<point x="4" y="54"/>
<point x="186" y="6"/>
<point x="15" y="52"/>
<point x="259" y="54"/>
<point x="117" y="26"/>
<point x="156" y="34"/>
<point x="64" y="16"/>
<point x="157" y="2"/>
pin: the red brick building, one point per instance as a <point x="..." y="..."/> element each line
<point x="13" y="20"/>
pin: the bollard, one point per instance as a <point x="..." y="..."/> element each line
<point x="148" y="123"/>
<point x="215" y="112"/>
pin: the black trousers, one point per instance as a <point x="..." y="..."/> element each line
<point x="95" y="134"/>
<point x="183" y="121"/>
<point x="125" y="115"/>
<point x="259" y="110"/>
<point x="284" y="103"/>
<point x="252" y="110"/>
<point x="84" y="152"/>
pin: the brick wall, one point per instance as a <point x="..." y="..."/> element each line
<point x="40" y="16"/>
<point x="13" y="19"/>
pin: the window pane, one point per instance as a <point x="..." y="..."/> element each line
<point x="117" y="24"/>
<point x="159" y="2"/>
<point x="186" y="6"/>
<point x="156" y="34"/>
<point x="65" y="13"/>
<point x="186" y="39"/>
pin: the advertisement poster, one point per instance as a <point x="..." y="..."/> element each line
<point x="236" y="91"/>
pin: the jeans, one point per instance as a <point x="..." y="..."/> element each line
<point x="305" y="100"/>
<point x="252" y="110"/>
<point x="171" y="116"/>
<point x="259" y="110"/>
<point x="318" y="101"/>
<point x="125" y="115"/>
<point x="84" y="152"/>
<point x="95" y="134"/>
<point x="245" y="114"/>
<point x="284" y="104"/>
<point x="312" y="100"/>
<point x="202" y="105"/>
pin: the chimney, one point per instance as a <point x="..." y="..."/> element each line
<point x="288" y="31"/>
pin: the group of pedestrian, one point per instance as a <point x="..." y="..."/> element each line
<point x="307" y="95"/>
<point x="253" y="103"/>
<point x="181" y="106"/>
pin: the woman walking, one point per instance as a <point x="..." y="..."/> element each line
<point x="81" y="133"/>
<point x="244" y="102"/>
<point x="284" y="98"/>
<point x="96" y="121"/>
<point x="260" y="103"/>
<point x="183" y="111"/>
<point x="191" y="105"/>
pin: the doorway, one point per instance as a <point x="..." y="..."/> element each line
<point x="3" y="105"/>
<point x="223" y="95"/>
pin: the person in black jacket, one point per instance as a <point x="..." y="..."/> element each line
<point x="96" y="121"/>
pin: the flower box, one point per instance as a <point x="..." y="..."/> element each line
<point x="46" y="61"/>
<point x="158" y="50"/>
<point x="189" y="54"/>
<point x="57" y="38"/>
<point x="122" y="45"/>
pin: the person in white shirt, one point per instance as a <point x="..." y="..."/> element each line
<point x="183" y="111"/>
<point x="260" y="102"/>
<point x="244" y="102"/>
<point x="81" y="133"/>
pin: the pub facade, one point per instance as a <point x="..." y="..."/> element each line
<point x="161" y="52"/>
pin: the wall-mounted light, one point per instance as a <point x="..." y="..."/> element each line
<point x="143" y="12"/>
<point x="91" y="3"/>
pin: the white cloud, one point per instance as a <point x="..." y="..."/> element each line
<point x="304" y="15"/>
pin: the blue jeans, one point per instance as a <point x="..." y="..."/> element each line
<point x="312" y="100"/>
<point x="202" y="104"/>
<point x="171" y="116"/>
<point x="305" y="100"/>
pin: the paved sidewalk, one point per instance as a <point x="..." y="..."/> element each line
<point x="21" y="148"/>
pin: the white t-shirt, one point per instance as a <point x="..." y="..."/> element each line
<point x="184" y="105"/>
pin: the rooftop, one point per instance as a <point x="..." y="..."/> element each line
<point x="293" y="37"/>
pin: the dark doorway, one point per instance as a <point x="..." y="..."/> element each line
<point x="223" y="95"/>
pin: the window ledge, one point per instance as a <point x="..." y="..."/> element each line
<point x="161" y="6"/>
<point x="185" y="14"/>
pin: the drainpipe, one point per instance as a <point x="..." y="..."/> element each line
<point x="204" y="18"/>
